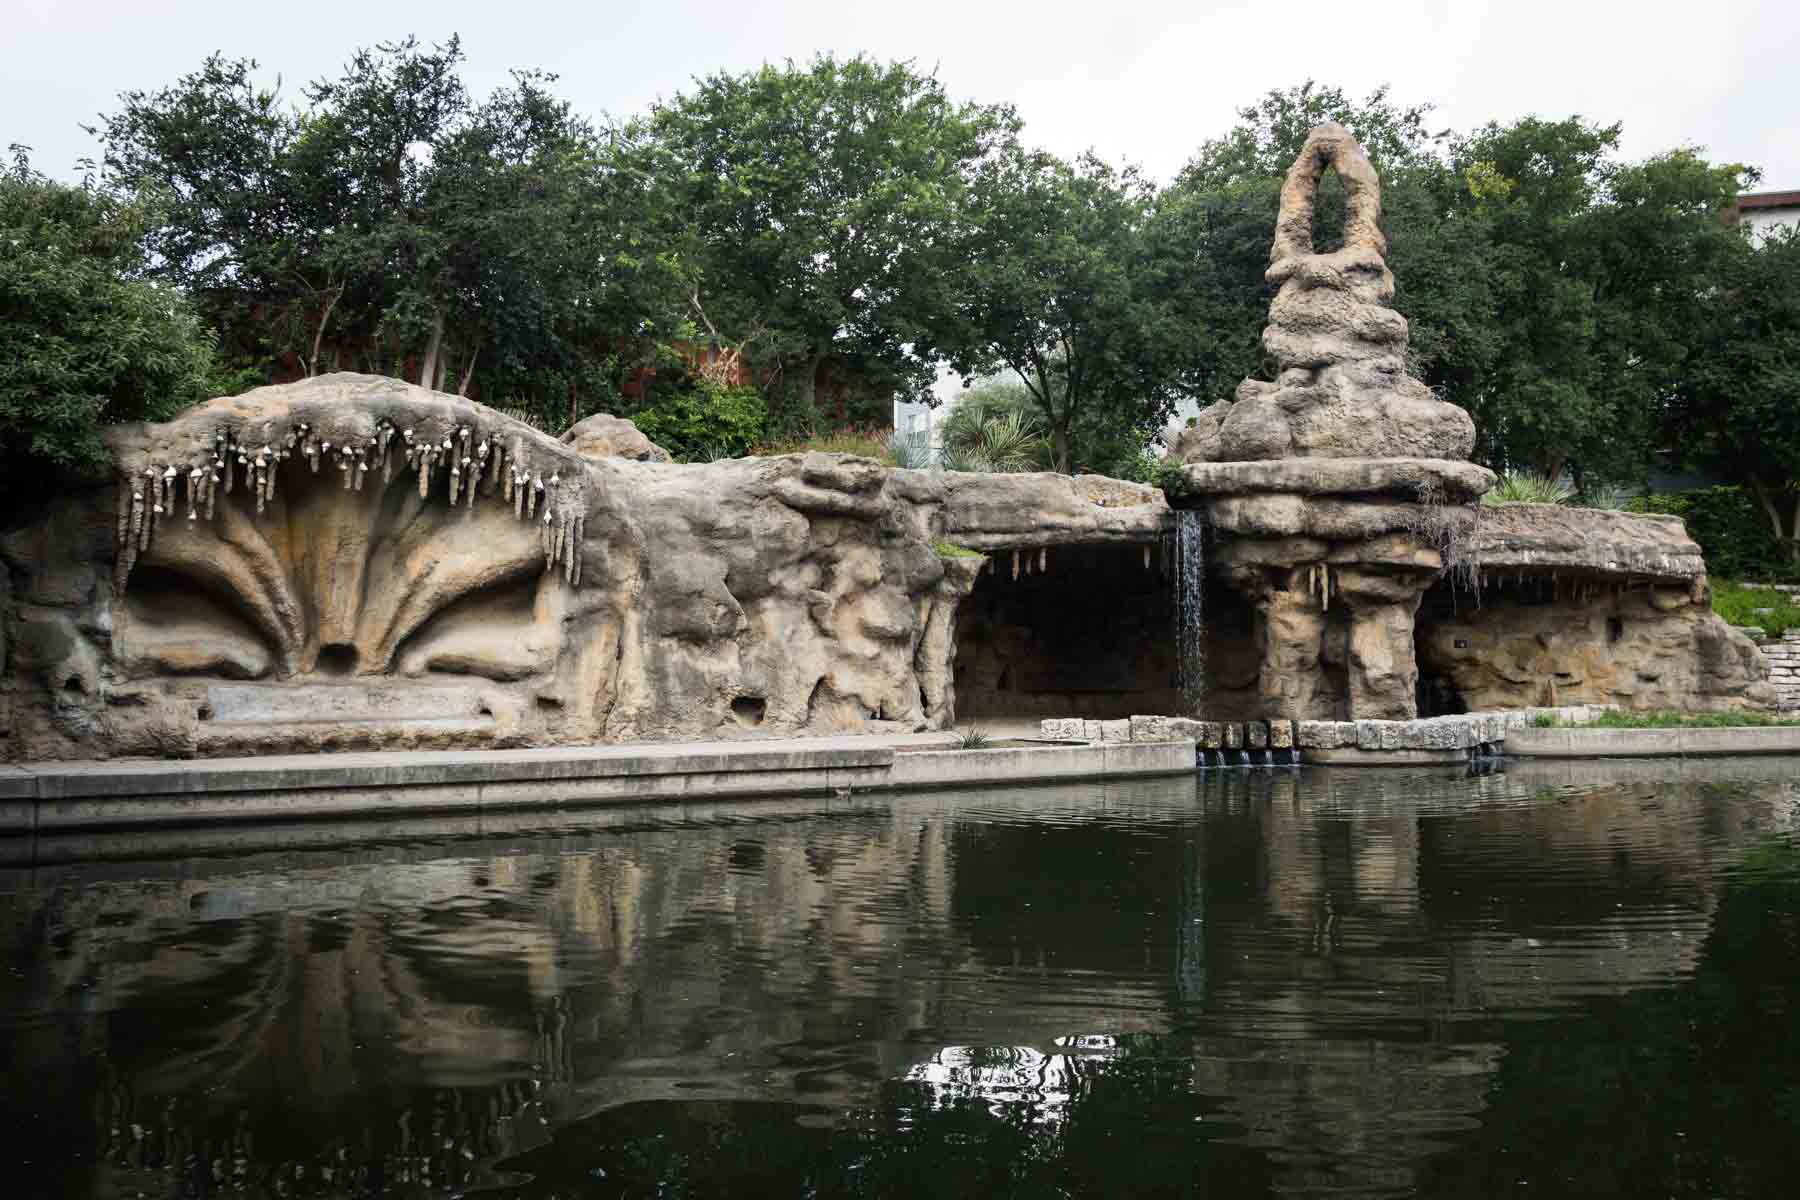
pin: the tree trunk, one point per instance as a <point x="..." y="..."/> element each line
<point x="809" y="384"/>
<point x="1788" y="537"/>
<point x="1059" y="439"/>
<point x="462" y="388"/>
<point x="428" y="368"/>
<point x="312" y="361"/>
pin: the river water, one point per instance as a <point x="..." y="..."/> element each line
<point x="1579" y="981"/>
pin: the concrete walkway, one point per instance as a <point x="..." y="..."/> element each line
<point x="142" y="793"/>
<point x="1653" y="743"/>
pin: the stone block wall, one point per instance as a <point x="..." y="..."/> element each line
<point x="1784" y="669"/>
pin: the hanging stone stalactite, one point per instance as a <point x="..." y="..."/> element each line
<point x="478" y="463"/>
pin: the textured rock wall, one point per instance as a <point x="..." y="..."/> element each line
<point x="354" y="562"/>
<point x="1544" y="642"/>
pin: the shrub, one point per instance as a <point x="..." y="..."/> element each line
<point x="1731" y="528"/>
<point x="1528" y="487"/>
<point x="994" y="429"/>
<point x="705" y="422"/>
<point x="952" y="550"/>
<point x="1160" y="473"/>
<point x="865" y="441"/>
<point x="85" y="342"/>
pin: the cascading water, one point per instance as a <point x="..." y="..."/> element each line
<point x="1188" y="543"/>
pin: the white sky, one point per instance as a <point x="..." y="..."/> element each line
<point x="1145" y="82"/>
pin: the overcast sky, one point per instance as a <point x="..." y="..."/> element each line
<point x="1145" y="82"/>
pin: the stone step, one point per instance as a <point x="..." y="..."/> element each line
<point x="374" y="700"/>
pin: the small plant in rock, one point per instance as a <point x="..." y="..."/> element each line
<point x="952" y="550"/>
<point x="1528" y="487"/>
<point x="973" y="738"/>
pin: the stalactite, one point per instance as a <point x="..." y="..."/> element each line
<point x="1146" y="556"/>
<point x="124" y="530"/>
<point x="1015" y="566"/>
<point x="1043" y="559"/>
<point x="455" y="482"/>
<point x="140" y="519"/>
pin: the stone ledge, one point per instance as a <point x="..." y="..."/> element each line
<point x="90" y="796"/>
<point x="1464" y="732"/>
<point x="1350" y="756"/>
<point x="1653" y="743"/>
<point x="1009" y="764"/>
<point x="1445" y="480"/>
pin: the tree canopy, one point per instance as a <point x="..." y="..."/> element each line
<point x="836" y="232"/>
<point x="85" y="340"/>
<point x="813" y="208"/>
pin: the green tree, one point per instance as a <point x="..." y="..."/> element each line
<point x="1068" y="285"/>
<point x="1737" y="408"/>
<point x="812" y="207"/>
<point x="392" y="224"/>
<point x="85" y="340"/>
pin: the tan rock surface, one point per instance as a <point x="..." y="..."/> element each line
<point x="624" y="598"/>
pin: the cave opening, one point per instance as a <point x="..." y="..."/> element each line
<point x="1085" y="631"/>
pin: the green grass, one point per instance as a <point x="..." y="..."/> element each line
<point x="972" y="739"/>
<point x="952" y="550"/>
<point x="1738" y="605"/>
<point x="1613" y="719"/>
<point x="864" y="441"/>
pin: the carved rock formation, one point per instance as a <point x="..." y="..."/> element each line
<point x="1579" y="606"/>
<point x="1341" y="389"/>
<point x="1337" y="489"/>
<point x="355" y="562"/>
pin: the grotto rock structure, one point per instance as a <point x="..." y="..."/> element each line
<point x="1340" y="499"/>
<point x="1341" y="490"/>
<point x="355" y="562"/>
<point x="352" y="562"/>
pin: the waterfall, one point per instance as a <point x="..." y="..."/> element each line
<point x="1189" y="546"/>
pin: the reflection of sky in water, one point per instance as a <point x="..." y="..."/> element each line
<point x="1002" y="1076"/>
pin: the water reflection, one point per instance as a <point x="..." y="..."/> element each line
<point x="1365" y="982"/>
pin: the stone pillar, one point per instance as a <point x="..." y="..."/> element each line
<point x="1383" y="670"/>
<point x="1291" y="629"/>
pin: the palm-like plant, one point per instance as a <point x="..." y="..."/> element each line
<point x="1529" y="487"/>
<point x="994" y="431"/>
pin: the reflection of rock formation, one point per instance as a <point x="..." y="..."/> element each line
<point x="1339" y="485"/>
<point x="1325" y="956"/>
<point x="352" y="561"/>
